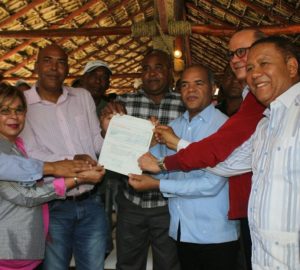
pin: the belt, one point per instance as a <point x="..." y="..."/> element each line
<point x="82" y="196"/>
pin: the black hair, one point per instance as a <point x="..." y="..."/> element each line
<point x="285" y="46"/>
<point x="161" y="54"/>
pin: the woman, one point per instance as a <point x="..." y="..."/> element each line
<point x="23" y="220"/>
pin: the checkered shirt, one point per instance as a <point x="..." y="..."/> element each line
<point x="139" y="105"/>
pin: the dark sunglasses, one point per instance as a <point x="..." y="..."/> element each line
<point x="241" y="52"/>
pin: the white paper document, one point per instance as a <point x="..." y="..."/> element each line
<point x="126" y="139"/>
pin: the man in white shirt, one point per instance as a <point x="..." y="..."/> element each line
<point x="273" y="155"/>
<point x="62" y="124"/>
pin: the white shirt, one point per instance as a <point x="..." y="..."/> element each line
<point x="273" y="154"/>
<point x="56" y="131"/>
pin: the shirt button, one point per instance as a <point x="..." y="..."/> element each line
<point x="278" y="148"/>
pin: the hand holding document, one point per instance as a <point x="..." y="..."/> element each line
<point x="127" y="138"/>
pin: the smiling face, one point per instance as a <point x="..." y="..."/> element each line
<point x="242" y="39"/>
<point x="156" y="75"/>
<point x="196" y="90"/>
<point x="269" y="72"/>
<point x="52" y="68"/>
<point x="12" y="118"/>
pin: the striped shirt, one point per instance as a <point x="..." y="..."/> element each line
<point x="274" y="205"/>
<point x="139" y="105"/>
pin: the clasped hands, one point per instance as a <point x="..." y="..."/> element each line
<point x="82" y="167"/>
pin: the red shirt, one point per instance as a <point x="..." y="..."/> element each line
<point x="217" y="147"/>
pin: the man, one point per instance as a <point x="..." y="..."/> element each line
<point x="62" y="123"/>
<point x="231" y="93"/>
<point x="198" y="200"/>
<point x="219" y="146"/>
<point x="273" y="74"/>
<point x="143" y="218"/>
<point x="95" y="79"/>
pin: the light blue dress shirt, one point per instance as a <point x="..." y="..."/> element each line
<point x="14" y="168"/>
<point x="198" y="200"/>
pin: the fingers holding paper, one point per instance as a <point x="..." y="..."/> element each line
<point x="166" y="135"/>
<point x="111" y="109"/>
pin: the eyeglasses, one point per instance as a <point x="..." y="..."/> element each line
<point x="241" y="52"/>
<point x="9" y="111"/>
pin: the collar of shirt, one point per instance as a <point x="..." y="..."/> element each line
<point x="245" y="91"/>
<point x="205" y="114"/>
<point x="292" y="95"/>
<point x="289" y="96"/>
<point x="33" y="97"/>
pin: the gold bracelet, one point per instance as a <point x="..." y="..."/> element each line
<point x="76" y="182"/>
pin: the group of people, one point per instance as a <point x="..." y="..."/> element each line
<point x="183" y="206"/>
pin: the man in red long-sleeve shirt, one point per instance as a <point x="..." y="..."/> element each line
<point x="217" y="147"/>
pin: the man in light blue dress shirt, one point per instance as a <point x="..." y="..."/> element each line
<point x="198" y="200"/>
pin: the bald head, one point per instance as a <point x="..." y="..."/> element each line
<point x="50" y="48"/>
<point x="239" y="45"/>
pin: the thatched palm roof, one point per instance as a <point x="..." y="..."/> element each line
<point x="28" y="25"/>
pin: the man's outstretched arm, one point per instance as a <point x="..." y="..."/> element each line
<point x="217" y="147"/>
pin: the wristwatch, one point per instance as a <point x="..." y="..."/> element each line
<point x="161" y="164"/>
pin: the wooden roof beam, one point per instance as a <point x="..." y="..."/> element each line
<point x="63" y="21"/>
<point x="20" y="13"/>
<point x="162" y="14"/>
<point x="290" y="29"/>
<point x="209" y="48"/>
<point x="82" y="60"/>
<point x="192" y="6"/>
<point x="33" y="57"/>
<point x="217" y="6"/>
<point x="99" y="17"/>
<point x="263" y="11"/>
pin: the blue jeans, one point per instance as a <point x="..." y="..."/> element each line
<point x="77" y="227"/>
